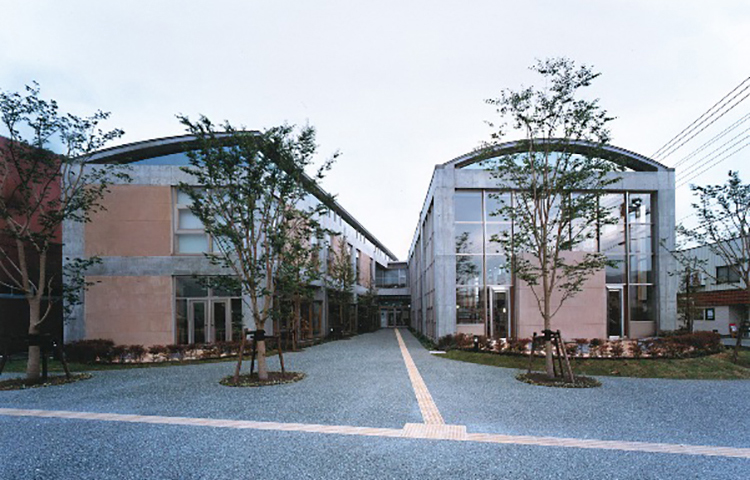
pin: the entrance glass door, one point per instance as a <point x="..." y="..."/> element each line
<point x="499" y="313"/>
<point x="615" y="313"/>
<point x="221" y="321"/>
<point x="197" y="321"/>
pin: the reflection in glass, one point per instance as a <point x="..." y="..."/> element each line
<point x="189" y="287"/>
<point x="613" y="206"/>
<point x="640" y="238"/>
<point x="498" y="270"/>
<point x="612" y="239"/>
<point x="468" y="206"/>
<point x="500" y="314"/>
<point x="188" y="221"/>
<point x="640" y="269"/>
<point x="469" y="305"/>
<point x="183" y="198"/>
<point x="220" y="321"/>
<point x="468" y="269"/>
<point x="182" y="322"/>
<point x="614" y="312"/>
<point x="496" y="229"/>
<point x="639" y="208"/>
<point x="192" y="243"/>
<point x="641" y="301"/>
<point x="468" y="237"/>
<point x="199" y="322"/>
<point x="615" y="274"/>
<point x="492" y="203"/>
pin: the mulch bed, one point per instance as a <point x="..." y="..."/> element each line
<point x="22" y="383"/>
<point x="541" y="379"/>
<point x="274" y="378"/>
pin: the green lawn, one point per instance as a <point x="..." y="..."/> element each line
<point x="713" y="367"/>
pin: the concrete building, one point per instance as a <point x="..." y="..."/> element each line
<point x="455" y="279"/>
<point x="719" y="299"/>
<point x="460" y="281"/>
<point x="152" y="247"/>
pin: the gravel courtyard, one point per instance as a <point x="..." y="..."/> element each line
<point x="364" y="385"/>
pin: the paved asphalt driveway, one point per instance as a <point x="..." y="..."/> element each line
<point x="364" y="382"/>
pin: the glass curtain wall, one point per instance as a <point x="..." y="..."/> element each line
<point x="480" y="262"/>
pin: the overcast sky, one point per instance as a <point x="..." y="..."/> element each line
<point x="396" y="86"/>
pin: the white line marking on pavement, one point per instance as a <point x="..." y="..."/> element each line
<point x="455" y="433"/>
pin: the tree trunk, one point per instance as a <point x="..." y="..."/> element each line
<point x="549" y="362"/>
<point x="297" y="322"/>
<point x="33" y="368"/>
<point x="341" y="317"/>
<point x="260" y="348"/>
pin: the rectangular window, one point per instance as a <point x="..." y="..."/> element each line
<point x="469" y="238"/>
<point x="642" y="303"/>
<point x="469" y="305"/>
<point x="710" y="315"/>
<point x="639" y="208"/>
<point x="468" y="206"/>
<point x="356" y="267"/>
<point x="469" y="270"/>
<point x="727" y="274"/>
<point x="493" y="202"/>
<point x="189" y="235"/>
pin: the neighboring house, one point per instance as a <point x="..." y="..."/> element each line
<point x="152" y="247"/>
<point x="719" y="299"/>
<point x="460" y="281"/>
<point x="14" y="308"/>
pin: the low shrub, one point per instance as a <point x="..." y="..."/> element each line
<point x="210" y="350"/>
<point x="136" y="352"/>
<point x="654" y="347"/>
<point x="518" y="345"/>
<point x="595" y="347"/>
<point x="158" y="351"/>
<point x="176" y="350"/>
<point x="616" y="349"/>
<point x="120" y="353"/>
<point x="90" y="351"/>
<point x="464" y="341"/>
<point x="571" y="349"/>
<point x="447" y="343"/>
<point x="635" y="349"/>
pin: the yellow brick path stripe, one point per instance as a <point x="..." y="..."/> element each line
<point x="455" y="433"/>
<point x="430" y="413"/>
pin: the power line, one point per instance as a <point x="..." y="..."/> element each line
<point x="704" y="160"/>
<point x="701" y="161"/>
<point x="713" y="140"/>
<point x="700" y="120"/>
<point x="675" y="148"/>
<point x="708" y="167"/>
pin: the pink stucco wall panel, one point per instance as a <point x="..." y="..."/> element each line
<point x="136" y="222"/>
<point x="130" y="310"/>
<point x="582" y="316"/>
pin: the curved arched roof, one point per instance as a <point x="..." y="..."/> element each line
<point x="157" y="147"/>
<point x="618" y="155"/>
